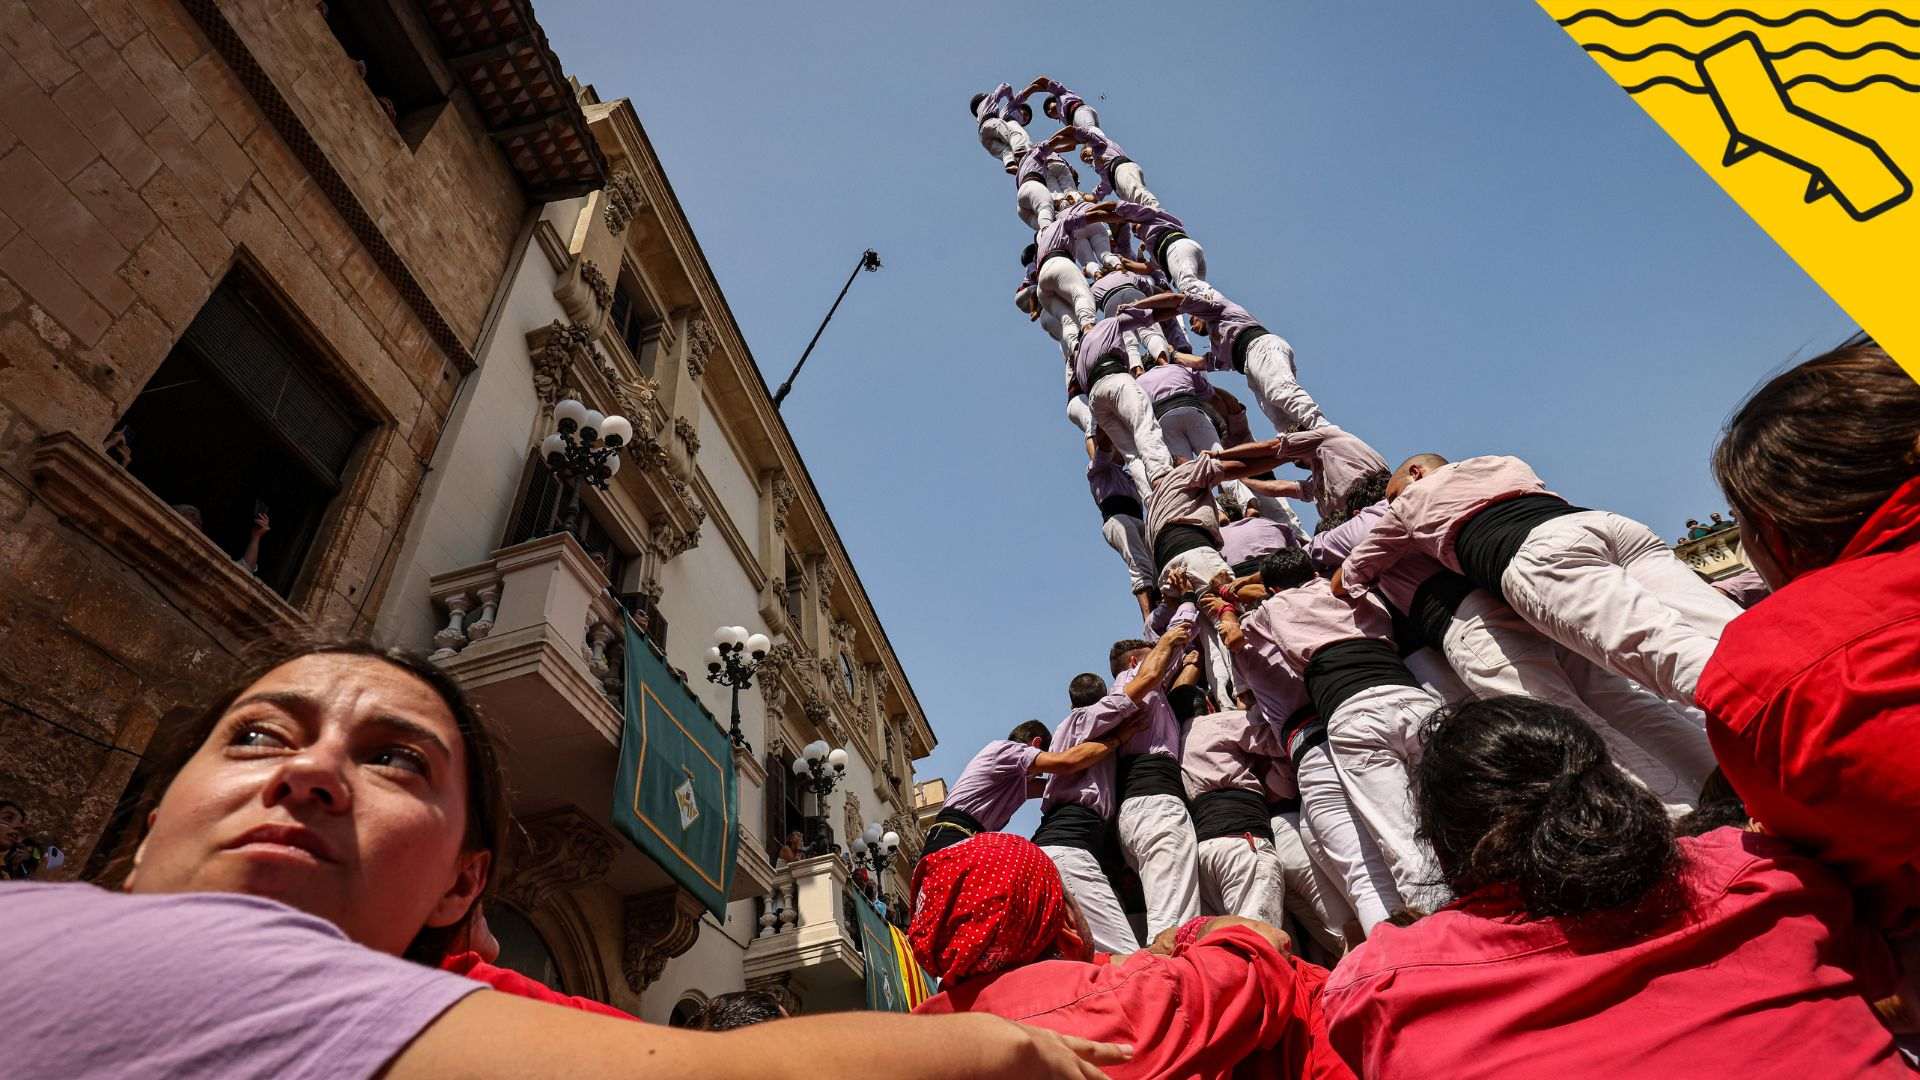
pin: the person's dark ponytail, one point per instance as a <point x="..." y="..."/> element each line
<point x="1519" y="793"/>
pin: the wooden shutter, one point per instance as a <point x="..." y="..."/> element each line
<point x="776" y="806"/>
<point x="536" y="509"/>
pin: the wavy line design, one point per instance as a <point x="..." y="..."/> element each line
<point x="1804" y="46"/>
<point x="1738" y="13"/>
<point x="1798" y="80"/>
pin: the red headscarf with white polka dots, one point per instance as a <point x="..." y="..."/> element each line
<point x="987" y="904"/>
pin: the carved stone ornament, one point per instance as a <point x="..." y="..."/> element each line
<point x="553" y="852"/>
<point x="646" y="449"/>
<point x="624" y="200"/>
<point x="688" y="434"/>
<point x="819" y="713"/>
<point x="781" y="987"/>
<point x="692" y="503"/>
<point x="597" y="284"/>
<point x="554" y="350"/>
<point x="651" y="589"/>
<point x="673" y="541"/>
<point x="850" y="816"/>
<point x="700" y="342"/>
<point x="823" y="577"/>
<point x="783" y="495"/>
<point x="659" y="925"/>
<point x="635" y="397"/>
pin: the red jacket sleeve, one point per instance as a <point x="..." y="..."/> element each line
<point x="512" y="982"/>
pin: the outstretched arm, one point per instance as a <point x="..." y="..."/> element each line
<point x="1279" y="489"/>
<point x="1085" y="755"/>
<point x="1152" y="671"/>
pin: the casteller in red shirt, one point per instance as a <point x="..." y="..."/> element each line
<point x="1813" y="709"/>
<point x="1760" y="972"/>
<point x="508" y="981"/>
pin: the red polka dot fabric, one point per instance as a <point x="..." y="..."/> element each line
<point x="988" y="904"/>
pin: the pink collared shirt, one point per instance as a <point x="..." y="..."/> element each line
<point x="1338" y="459"/>
<point x="1428" y="514"/>
<point x="1093" y="786"/>
<point x="1225" y="750"/>
<point x="1399" y="581"/>
<point x="1183" y="495"/>
<point x="1297" y="623"/>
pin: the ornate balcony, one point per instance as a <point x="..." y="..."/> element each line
<point x="534" y="637"/>
<point x="806" y="948"/>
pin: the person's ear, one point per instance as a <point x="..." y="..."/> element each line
<point x="139" y="852"/>
<point x="1035" y="743"/>
<point x="469" y="881"/>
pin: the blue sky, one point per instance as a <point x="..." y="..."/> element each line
<point x="1474" y="240"/>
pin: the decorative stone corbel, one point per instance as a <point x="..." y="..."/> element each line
<point x="783" y="495"/>
<point x="553" y="852"/>
<point x="624" y="200"/>
<point x="554" y="350"/>
<point x="659" y="925"/>
<point x="700" y="342"/>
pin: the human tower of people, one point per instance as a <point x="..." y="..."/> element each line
<point x="1255" y="747"/>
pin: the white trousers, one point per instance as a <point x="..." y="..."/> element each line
<point x="1348" y="849"/>
<point x="1121" y="409"/>
<point x="1276" y="386"/>
<point x="1312" y="884"/>
<point x="1130" y="184"/>
<point x="1607" y="588"/>
<point x="1437" y="678"/>
<point x="1080" y="415"/>
<point x="1204" y="564"/>
<point x="1128" y="538"/>
<point x="1035" y="204"/>
<point x="1188" y="432"/>
<point x="1004" y="139"/>
<point x="1086" y="119"/>
<point x="1063" y="282"/>
<point x="1653" y="740"/>
<point x="1240" y="875"/>
<point x="1374" y="739"/>
<point x="1187" y="268"/>
<point x="1157" y="837"/>
<point x="1089" y="887"/>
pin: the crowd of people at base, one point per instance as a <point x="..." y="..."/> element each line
<point x="307" y="893"/>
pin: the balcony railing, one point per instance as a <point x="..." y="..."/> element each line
<point x="811" y="940"/>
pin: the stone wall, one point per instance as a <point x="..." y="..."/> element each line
<point x="135" y="171"/>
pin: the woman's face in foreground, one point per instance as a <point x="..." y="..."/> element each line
<point x="335" y="784"/>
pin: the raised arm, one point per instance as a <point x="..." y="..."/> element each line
<point x="1152" y="671"/>
<point x="1082" y="756"/>
<point x="1278" y="489"/>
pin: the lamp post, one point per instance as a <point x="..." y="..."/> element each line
<point x="820" y="769"/>
<point x="584" y="448"/>
<point x="875" y="848"/>
<point x="726" y="667"/>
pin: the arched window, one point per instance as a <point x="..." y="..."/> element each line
<point x="522" y="949"/>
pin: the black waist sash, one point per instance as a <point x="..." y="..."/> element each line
<point x="1114" y="506"/>
<point x="1110" y="364"/>
<point x="1120" y="295"/>
<point x="1311" y="732"/>
<point x="1247" y="567"/>
<point x="1345" y="668"/>
<point x="949" y="827"/>
<point x="1178" y="401"/>
<point x="1160" y="249"/>
<point x="1231" y="812"/>
<point x="1070" y="825"/>
<point x="1244" y="339"/>
<point x="1434" y="603"/>
<point x="1150" y="774"/>
<point x="1486" y="541"/>
<point x="1175" y="540"/>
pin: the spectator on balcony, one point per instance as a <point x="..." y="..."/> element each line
<point x="794" y="847"/>
<point x="334" y="814"/>
<point x="1695" y="530"/>
<point x="1000" y="931"/>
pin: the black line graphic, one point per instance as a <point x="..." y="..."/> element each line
<point x="1666" y="80"/>
<point x="1779" y="54"/>
<point x="1839" y="161"/>
<point x="1798" y="80"/>
<point x="1738" y="13"/>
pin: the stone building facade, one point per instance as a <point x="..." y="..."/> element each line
<point x="711" y="521"/>
<point x="249" y="251"/>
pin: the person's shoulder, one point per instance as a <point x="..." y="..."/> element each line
<point x="1730" y="860"/>
<point x="80" y="902"/>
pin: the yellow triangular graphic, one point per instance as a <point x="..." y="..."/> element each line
<point x="1809" y="117"/>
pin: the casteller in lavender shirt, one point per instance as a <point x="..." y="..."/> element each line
<point x="124" y="987"/>
<point x="994" y="784"/>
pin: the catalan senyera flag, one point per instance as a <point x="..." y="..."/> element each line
<point x="895" y="982"/>
<point x="1808" y="115"/>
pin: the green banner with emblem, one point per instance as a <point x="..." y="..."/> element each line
<point x="675" y="795"/>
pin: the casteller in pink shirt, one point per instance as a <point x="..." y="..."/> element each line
<point x="1762" y="972"/>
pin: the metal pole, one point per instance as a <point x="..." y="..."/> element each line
<point x="869" y="260"/>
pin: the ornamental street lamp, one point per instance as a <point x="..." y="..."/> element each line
<point x="726" y="667"/>
<point x="585" y="448"/>
<point x="820" y="770"/>
<point x="875" y="848"/>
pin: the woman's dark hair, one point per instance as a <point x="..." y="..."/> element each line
<point x="1819" y="448"/>
<point x="1515" y="792"/>
<point x="1719" y="807"/>
<point x="1029" y="253"/>
<point x="973" y="106"/>
<point x="1030" y="730"/>
<point x="1285" y="569"/>
<point x="488" y="816"/>
<point x="1085" y="689"/>
<point x="739" y="1009"/>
